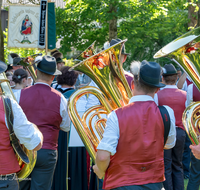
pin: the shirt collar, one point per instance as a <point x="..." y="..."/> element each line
<point x="42" y="83"/>
<point x="170" y="86"/>
<point x="141" y="98"/>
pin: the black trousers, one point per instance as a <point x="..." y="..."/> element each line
<point x="151" y="186"/>
<point x="77" y="169"/>
<point x="186" y="156"/>
<point x="42" y="174"/>
<point x="173" y="163"/>
<point x="60" y="174"/>
<point x="194" y="179"/>
<point x="9" y="182"/>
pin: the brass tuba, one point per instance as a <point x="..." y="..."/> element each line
<point x="26" y="167"/>
<point x="106" y="71"/>
<point x="185" y="51"/>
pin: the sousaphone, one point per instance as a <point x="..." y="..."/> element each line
<point x="185" y="51"/>
<point x="106" y="71"/>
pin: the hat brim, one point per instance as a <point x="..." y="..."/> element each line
<point x="3" y="67"/>
<point x="167" y="74"/>
<point x="57" y="72"/>
<point x="159" y="85"/>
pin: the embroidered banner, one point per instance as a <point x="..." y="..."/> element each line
<point x="51" y="26"/>
<point x="42" y="29"/>
<point x="23" y="26"/>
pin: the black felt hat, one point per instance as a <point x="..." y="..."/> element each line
<point x="115" y="41"/>
<point x="13" y="59"/>
<point x="150" y="73"/>
<point x="3" y="67"/>
<point x="48" y="65"/>
<point x="16" y="61"/>
<point x="169" y="69"/>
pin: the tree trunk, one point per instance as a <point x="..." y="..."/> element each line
<point x="193" y="16"/>
<point x="1" y="39"/>
<point x="113" y="23"/>
<point x="198" y="23"/>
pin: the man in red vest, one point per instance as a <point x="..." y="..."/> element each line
<point x="130" y="155"/>
<point x="193" y="95"/>
<point x="27" y="134"/>
<point x="175" y="98"/>
<point x="47" y="108"/>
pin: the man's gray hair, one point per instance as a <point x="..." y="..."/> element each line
<point x="135" y="67"/>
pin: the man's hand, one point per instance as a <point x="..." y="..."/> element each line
<point x="196" y="150"/>
<point x="98" y="172"/>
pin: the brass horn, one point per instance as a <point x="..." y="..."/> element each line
<point x="106" y="71"/>
<point x="86" y="53"/>
<point x="185" y="51"/>
<point x="27" y="62"/>
<point x="26" y="168"/>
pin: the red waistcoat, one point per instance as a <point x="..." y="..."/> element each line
<point x="139" y="156"/>
<point x="41" y="104"/>
<point x="196" y="94"/>
<point x="175" y="99"/>
<point x="8" y="162"/>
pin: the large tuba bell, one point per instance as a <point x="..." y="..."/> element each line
<point x="185" y="51"/>
<point x="26" y="166"/>
<point x="106" y="71"/>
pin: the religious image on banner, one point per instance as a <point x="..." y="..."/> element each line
<point x="23" y="26"/>
<point x="26" y="29"/>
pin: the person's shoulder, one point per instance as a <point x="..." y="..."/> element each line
<point x="183" y="92"/>
<point x="56" y="91"/>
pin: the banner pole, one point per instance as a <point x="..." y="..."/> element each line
<point x="46" y="31"/>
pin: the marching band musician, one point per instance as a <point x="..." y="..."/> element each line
<point x="72" y="155"/>
<point x="20" y="78"/>
<point x="28" y="135"/>
<point x="193" y="95"/>
<point x="47" y="108"/>
<point x="175" y="98"/>
<point x="131" y="151"/>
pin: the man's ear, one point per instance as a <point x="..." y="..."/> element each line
<point x="157" y="90"/>
<point x="132" y="85"/>
<point x="52" y="77"/>
<point x="23" y="80"/>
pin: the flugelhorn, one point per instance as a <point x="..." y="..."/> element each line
<point x="106" y="71"/>
<point x="185" y="51"/>
<point x="26" y="168"/>
<point x="28" y="63"/>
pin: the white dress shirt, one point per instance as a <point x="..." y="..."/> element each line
<point x="189" y="95"/>
<point x="24" y="130"/>
<point x="92" y="99"/>
<point x="111" y="134"/>
<point x="65" y="124"/>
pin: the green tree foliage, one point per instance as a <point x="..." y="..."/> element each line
<point x="148" y="25"/>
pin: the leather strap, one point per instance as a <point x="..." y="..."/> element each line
<point x="166" y="121"/>
<point x="63" y="91"/>
<point x="13" y="139"/>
